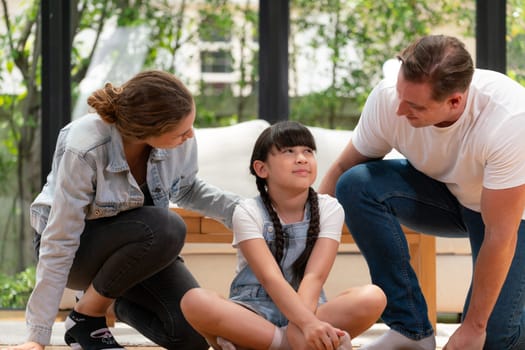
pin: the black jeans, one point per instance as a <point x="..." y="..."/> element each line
<point x="134" y="258"/>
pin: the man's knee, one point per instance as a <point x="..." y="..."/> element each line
<point x="352" y="182"/>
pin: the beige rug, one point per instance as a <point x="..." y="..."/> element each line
<point x="13" y="332"/>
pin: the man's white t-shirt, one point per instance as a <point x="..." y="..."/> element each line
<point x="484" y="148"/>
<point x="248" y="222"/>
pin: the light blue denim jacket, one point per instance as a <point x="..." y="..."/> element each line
<point x="90" y="179"/>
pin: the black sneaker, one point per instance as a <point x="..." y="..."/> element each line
<point x="89" y="333"/>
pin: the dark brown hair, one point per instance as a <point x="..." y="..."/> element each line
<point x="440" y="60"/>
<point x="280" y="135"/>
<point x="149" y="104"/>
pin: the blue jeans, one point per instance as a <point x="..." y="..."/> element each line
<point x="377" y="197"/>
<point x="133" y="257"/>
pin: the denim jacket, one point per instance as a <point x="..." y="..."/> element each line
<point x="90" y="179"/>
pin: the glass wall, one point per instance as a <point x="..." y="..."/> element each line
<point x="337" y="51"/>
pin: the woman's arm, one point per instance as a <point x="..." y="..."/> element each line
<point x="191" y="192"/>
<point x="209" y="200"/>
<point x="59" y="243"/>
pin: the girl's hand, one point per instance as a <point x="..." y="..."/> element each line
<point x="26" y="346"/>
<point x="321" y="335"/>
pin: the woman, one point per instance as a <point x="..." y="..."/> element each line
<point x="102" y="219"/>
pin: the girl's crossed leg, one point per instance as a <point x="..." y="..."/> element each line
<point x="213" y="316"/>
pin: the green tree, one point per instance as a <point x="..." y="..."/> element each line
<point x="360" y="35"/>
<point x="20" y="42"/>
<point x="516" y="40"/>
<point x="20" y="45"/>
<point x="245" y="30"/>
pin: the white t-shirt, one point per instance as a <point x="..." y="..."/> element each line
<point x="484" y="148"/>
<point x="248" y="222"/>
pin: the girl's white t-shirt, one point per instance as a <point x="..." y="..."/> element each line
<point x="484" y="148"/>
<point x="248" y="222"/>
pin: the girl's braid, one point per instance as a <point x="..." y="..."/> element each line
<point x="313" y="232"/>
<point x="279" y="236"/>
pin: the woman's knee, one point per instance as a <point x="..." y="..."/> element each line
<point x="175" y="229"/>
<point x="168" y="232"/>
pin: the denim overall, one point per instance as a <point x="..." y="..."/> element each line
<point x="245" y="287"/>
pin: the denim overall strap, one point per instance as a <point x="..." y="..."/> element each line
<point x="246" y="288"/>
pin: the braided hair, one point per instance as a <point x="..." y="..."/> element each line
<point x="281" y="135"/>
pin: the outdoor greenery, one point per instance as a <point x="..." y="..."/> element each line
<point x="16" y="289"/>
<point x="516" y="40"/>
<point x="373" y="31"/>
<point x="357" y="35"/>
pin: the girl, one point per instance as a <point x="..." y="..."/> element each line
<point x="102" y="219"/>
<point x="288" y="239"/>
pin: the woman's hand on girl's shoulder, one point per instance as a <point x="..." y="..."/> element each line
<point x="26" y="346"/>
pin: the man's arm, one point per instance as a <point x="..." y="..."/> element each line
<point x="347" y="159"/>
<point x="501" y="211"/>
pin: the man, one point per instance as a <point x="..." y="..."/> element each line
<point x="462" y="132"/>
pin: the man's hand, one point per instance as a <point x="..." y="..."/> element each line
<point x="466" y="338"/>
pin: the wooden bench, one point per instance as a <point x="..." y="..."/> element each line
<point x="202" y="229"/>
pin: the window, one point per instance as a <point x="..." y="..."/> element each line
<point x="216" y="61"/>
<point x="214" y="89"/>
<point x="213" y="30"/>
